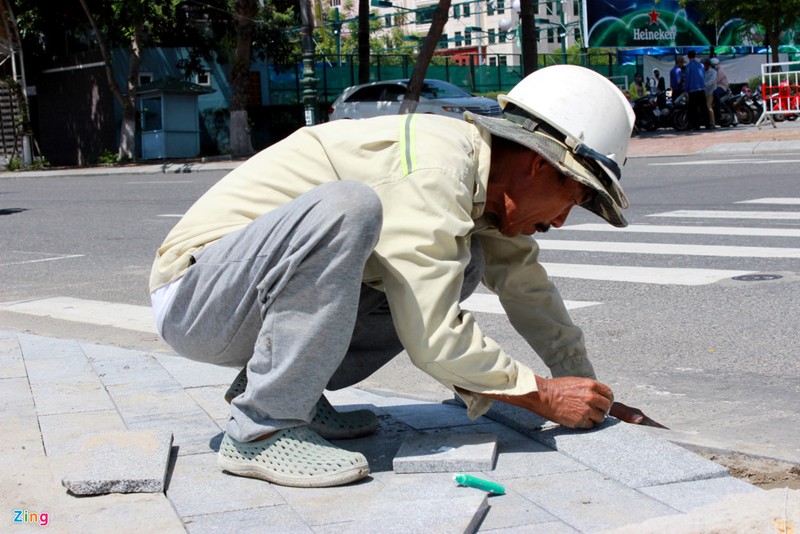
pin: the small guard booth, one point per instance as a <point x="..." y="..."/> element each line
<point x="170" y="118"/>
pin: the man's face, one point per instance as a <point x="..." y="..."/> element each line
<point x="534" y="201"/>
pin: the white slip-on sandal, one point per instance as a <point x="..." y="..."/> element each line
<point x="296" y="457"/>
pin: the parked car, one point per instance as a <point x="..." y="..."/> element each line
<point x="385" y="97"/>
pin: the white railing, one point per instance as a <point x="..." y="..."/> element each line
<point x="780" y="91"/>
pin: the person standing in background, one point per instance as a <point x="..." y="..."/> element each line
<point x="695" y="86"/>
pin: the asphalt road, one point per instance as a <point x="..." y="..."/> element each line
<point x="717" y="361"/>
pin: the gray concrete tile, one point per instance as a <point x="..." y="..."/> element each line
<point x="212" y="400"/>
<point x="116" y="366"/>
<point x="529" y="459"/>
<point x="166" y="408"/>
<point x="71" y="397"/>
<point x="684" y="496"/>
<point x="519" y="419"/>
<point x="325" y="506"/>
<point x="429" y="516"/>
<point x="15" y="393"/>
<point x="274" y="519"/>
<point x="514" y="512"/>
<point x="119" y="462"/>
<point x="71" y="368"/>
<point x="424" y="416"/>
<point x="588" y="501"/>
<point x="446" y="453"/>
<point x="197" y="486"/>
<point x="37" y="347"/>
<point x="64" y="433"/>
<point x="548" y="527"/>
<point x="11" y="362"/>
<point x="191" y="374"/>
<point x="628" y="455"/>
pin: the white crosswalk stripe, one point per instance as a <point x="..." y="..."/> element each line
<point x="140" y="318"/>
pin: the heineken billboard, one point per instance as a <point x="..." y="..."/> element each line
<point x="626" y="23"/>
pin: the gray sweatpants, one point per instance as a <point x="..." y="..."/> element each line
<point x="284" y="297"/>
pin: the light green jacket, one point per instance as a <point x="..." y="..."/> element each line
<point x="431" y="174"/>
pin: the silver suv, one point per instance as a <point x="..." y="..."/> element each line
<point x="384" y="98"/>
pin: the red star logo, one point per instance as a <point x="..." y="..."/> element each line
<point x="653" y="16"/>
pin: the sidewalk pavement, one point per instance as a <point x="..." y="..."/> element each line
<point x="739" y="140"/>
<point x="69" y="407"/>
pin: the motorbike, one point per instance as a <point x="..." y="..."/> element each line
<point x="680" y="114"/>
<point x="747" y="106"/>
<point x="652" y="112"/>
<point x="724" y="113"/>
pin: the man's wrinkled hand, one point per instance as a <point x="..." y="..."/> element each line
<point x="571" y="401"/>
<point x="632" y="415"/>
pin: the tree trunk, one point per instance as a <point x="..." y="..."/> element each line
<point x="127" y="134"/>
<point x="240" y="143"/>
<point x="127" y="128"/>
<point x="440" y="16"/>
<point x="363" y="41"/>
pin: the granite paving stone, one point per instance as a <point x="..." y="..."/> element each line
<point x="443" y="453"/>
<point x="588" y="501"/>
<point x="11" y="362"/>
<point x="70" y="397"/>
<point x="197" y="486"/>
<point x="15" y="393"/>
<point x="325" y="506"/>
<point x="190" y="374"/>
<point x="120" y="462"/>
<point x="64" y="433"/>
<point x="116" y="366"/>
<point x="424" y="416"/>
<point x="629" y="455"/>
<point x="514" y="511"/>
<point x="685" y="496"/>
<point x="168" y="408"/>
<point x="212" y="400"/>
<point x="279" y="519"/>
<point x="428" y="516"/>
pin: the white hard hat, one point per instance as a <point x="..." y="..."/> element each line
<point x="714" y="61"/>
<point x="577" y="120"/>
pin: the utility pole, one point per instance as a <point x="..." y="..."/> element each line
<point x="530" y="52"/>
<point x="309" y="80"/>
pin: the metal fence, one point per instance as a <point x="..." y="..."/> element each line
<point x="484" y="74"/>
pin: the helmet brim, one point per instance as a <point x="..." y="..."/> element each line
<point x="561" y="157"/>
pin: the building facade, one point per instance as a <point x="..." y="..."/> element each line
<point x="487" y="32"/>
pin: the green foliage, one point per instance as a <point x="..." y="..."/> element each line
<point x="14" y="163"/>
<point x="106" y="158"/>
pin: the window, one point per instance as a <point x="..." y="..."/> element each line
<point x="466" y="10"/>
<point x="442" y="41"/>
<point x="145" y="78"/>
<point x="425" y="15"/>
<point x="458" y="38"/>
<point x="202" y="78"/>
<point x="577" y="35"/>
<point x="151" y="114"/>
<point x="492" y="61"/>
<point x="501" y="7"/>
<point x="550" y="37"/>
<point x="457" y="11"/>
<point x="503" y="36"/>
<point x="503" y="61"/>
<point x="387" y="21"/>
<point x="467" y="37"/>
<point x="576" y="7"/>
<point x="491" y="35"/>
